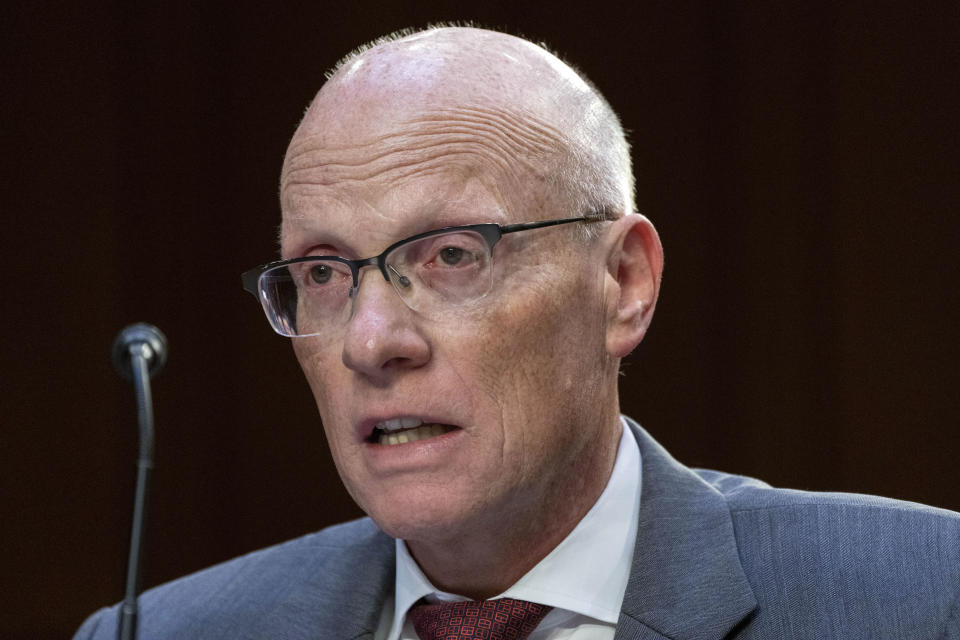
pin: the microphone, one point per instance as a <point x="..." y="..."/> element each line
<point x="139" y="352"/>
<point x="150" y="342"/>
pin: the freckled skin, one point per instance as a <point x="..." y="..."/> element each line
<point x="527" y="373"/>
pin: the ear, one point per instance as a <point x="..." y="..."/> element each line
<point x="632" y="282"/>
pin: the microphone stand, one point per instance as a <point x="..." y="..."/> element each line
<point x="139" y="351"/>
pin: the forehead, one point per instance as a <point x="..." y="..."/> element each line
<point x="383" y="173"/>
<point x="372" y="143"/>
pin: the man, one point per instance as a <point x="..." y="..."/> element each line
<point x="462" y="272"/>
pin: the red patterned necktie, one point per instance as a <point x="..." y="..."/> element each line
<point x="503" y="619"/>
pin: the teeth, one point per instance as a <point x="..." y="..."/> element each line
<point x="399" y="423"/>
<point x="420" y="433"/>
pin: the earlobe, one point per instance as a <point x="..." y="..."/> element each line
<point x="634" y="267"/>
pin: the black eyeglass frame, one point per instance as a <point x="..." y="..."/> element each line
<point x="489" y="231"/>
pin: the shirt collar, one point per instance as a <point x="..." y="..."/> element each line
<point x="586" y="573"/>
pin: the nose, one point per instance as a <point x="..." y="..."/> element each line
<point x="382" y="337"/>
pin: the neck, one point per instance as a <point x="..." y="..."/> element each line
<point x="484" y="558"/>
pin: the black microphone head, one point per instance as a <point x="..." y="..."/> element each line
<point x="147" y="335"/>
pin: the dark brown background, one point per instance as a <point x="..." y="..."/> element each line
<point x="799" y="160"/>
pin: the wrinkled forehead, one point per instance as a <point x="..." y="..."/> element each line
<point x="376" y="144"/>
<point x="442" y="167"/>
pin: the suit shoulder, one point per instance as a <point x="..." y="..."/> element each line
<point x="253" y="591"/>
<point x="323" y="550"/>
<point x="744" y="494"/>
<point x="331" y="552"/>
<point x="851" y="561"/>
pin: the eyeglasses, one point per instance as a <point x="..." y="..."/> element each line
<point x="432" y="272"/>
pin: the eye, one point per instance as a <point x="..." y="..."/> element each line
<point x="452" y="256"/>
<point x="321" y="273"/>
<point x="447" y="253"/>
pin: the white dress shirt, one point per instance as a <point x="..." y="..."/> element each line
<point x="583" y="578"/>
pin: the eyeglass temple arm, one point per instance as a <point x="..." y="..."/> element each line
<point x="523" y="226"/>
<point x="402" y="279"/>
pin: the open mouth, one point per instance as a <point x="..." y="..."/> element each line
<point x="404" y="430"/>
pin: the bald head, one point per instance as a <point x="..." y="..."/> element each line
<point x="544" y="111"/>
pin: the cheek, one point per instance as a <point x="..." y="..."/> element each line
<point x="321" y="377"/>
<point x="309" y="356"/>
<point x="536" y="347"/>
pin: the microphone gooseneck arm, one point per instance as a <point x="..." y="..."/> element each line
<point x="139" y="351"/>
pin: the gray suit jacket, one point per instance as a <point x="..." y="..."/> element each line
<point x="717" y="556"/>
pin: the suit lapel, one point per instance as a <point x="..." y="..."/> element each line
<point x="686" y="581"/>
<point x="351" y="585"/>
<point x="369" y="599"/>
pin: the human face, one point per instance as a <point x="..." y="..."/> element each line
<point x="520" y="381"/>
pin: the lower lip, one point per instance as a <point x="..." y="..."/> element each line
<point x="412" y="454"/>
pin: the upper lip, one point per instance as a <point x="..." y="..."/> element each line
<point x="366" y="425"/>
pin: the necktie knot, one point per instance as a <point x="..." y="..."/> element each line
<point x="503" y="619"/>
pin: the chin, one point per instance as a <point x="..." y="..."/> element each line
<point x="427" y="518"/>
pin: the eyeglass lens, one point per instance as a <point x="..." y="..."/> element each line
<point x="430" y="274"/>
